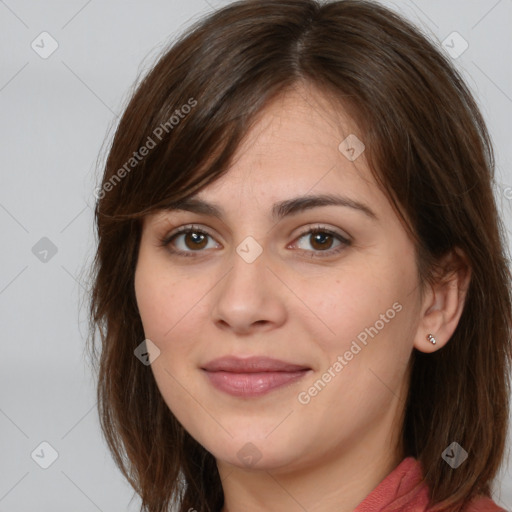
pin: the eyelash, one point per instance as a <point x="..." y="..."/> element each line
<point x="166" y="241"/>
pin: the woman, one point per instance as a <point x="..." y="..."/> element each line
<point x="301" y="282"/>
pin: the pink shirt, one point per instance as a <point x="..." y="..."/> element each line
<point x="403" y="491"/>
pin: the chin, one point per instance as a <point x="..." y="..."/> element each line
<point x="255" y="449"/>
<point x="255" y="457"/>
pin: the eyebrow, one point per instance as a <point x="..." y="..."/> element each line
<point x="279" y="210"/>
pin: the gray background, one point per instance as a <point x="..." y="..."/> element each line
<point x="56" y="113"/>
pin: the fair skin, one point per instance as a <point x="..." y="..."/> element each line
<point x="327" y="454"/>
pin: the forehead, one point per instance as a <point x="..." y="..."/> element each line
<point x="293" y="158"/>
<point x="301" y="116"/>
<point x="297" y="145"/>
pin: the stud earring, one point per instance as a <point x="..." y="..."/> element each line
<point x="431" y="339"/>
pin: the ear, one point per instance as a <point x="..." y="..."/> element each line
<point x="443" y="302"/>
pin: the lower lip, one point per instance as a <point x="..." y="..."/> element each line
<point x="252" y="384"/>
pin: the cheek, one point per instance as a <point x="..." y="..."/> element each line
<point x="371" y="314"/>
<point x="151" y="300"/>
<point x="357" y="300"/>
<point x="165" y="300"/>
<point x="374" y="331"/>
<point x="165" y="304"/>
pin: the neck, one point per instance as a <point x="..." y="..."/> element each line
<point x="337" y="482"/>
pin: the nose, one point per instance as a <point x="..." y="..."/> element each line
<point x="250" y="297"/>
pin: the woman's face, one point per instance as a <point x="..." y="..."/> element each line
<point x="339" y="307"/>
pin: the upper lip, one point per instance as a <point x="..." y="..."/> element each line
<point x="251" y="365"/>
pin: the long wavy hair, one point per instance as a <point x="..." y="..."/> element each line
<point x="428" y="148"/>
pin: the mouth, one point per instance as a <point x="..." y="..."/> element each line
<point x="252" y="377"/>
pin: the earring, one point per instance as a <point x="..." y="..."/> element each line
<point x="431" y="339"/>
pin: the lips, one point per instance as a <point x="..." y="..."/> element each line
<point x="251" y="365"/>
<point x="253" y="376"/>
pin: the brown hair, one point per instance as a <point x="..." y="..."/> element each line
<point x="427" y="146"/>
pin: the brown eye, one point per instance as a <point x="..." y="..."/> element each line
<point x="195" y="240"/>
<point x="321" y="240"/>
<point x="187" y="240"/>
